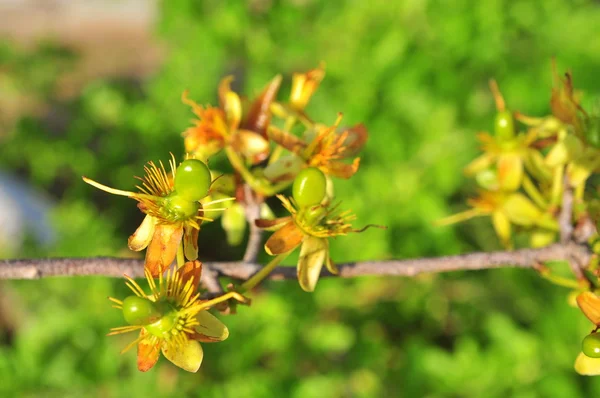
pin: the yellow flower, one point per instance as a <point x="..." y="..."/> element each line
<point x="179" y="322"/>
<point x="224" y="126"/>
<point x="170" y="219"/>
<point x="324" y="148"/>
<point x="304" y="86"/>
<point x="310" y="227"/>
<point x="506" y="209"/>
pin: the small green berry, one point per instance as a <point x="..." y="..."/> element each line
<point x="139" y="311"/>
<point x="164" y="324"/>
<point x="177" y="208"/>
<point x="591" y="345"/>
<point x="309" y="187"/>
<point x="504" y="125"/>
<point x="192" y="180"/>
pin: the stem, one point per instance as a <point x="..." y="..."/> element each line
<point x="289" y="123"/>
<point x="262" y="187"/>
<point x="263" y="273"/>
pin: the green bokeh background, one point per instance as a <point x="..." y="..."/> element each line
<point x="416" y="73"/>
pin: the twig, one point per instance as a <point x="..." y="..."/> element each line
<point x="565" y="217"/>
<point x="565" y="224"/>
<point x="116" y="267"/>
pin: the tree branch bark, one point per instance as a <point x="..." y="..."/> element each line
<point x="117" y="267"/>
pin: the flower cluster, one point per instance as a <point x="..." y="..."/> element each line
<point x="536" y="178"/>
<point x="270" y="146"/>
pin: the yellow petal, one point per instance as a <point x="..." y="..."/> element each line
<point x="479" y="164"/>
<point x="304" y="85"/>
<point x="564" y="151"/>
<point x="589" y="304"/>
<point x="163" y="248"/>
<point x="284" y="239"/>
<point x="534" y="163"/>
<point x="521" y="211"/>
<point x="210" y="329"/>
<point x="510" y="171"/>
<point x="502" y="227"/>
<point x="587" y="366"/>
<point x="541" y="238"/>
<point x="230" y="103"/>
<point x="190" y="242"/>
<point x="191" y="270"/>
<point x="143" y="235"/>
<point x="147" y="354"/>
<point x="187" y="356"/>
<point x="331" y="267"/>
<point x="312" y="255"/>
<point x="252" y="145"/>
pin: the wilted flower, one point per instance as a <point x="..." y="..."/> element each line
<point x="304" y="86"/>
<point x="322" y="147"/>
<point x="217" y="128"/>
<point x="171" y="319"/>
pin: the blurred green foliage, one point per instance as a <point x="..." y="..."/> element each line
<point x="415" y="72"/>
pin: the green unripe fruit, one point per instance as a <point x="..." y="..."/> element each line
<point x="314" y="214"/>
<point x="163" y="325"/>
<point x="192" y="180"/>
<point x="309" y="187"/>
<point x="591" y="345"/>
<point x="176" y="207"/>
<point x="504" y="125"/>
<point x="139" y="311"/>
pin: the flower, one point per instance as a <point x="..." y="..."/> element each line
<point x="309" y="228"/>
<point x="179" y="320"/>
<point x="218" y="127"/>
<point x="506" y="209"/>
<point x="170" y="219"/>
<point x="304" y="86"/>
<point x="323" y="147"/>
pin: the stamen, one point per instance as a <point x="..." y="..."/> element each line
<point x="134" y="342"/>
<point x="123" y="329"/>
<point x="135" y="288"/>
<point x="108" y="189"/>
<point x="116" y="301"/>
<point x="212" y="202"/>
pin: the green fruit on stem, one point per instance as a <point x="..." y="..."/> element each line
<point x="591" y="345"/>
<point x="192" y="180"/>
<point x="163" y="325"/>
<point x="176" y="207"/>
<point x="139" y="311"/>
<point x="504" y="125"/>
<point x="309" y="187"/>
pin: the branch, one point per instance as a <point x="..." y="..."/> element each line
<point x="116" y="267"/>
